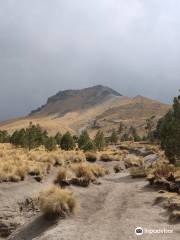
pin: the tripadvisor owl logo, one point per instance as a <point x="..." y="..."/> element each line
<point x="139" y="231"/>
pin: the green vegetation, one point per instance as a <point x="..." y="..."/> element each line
<point x="85" y="143"/>
<point x="168" y="132"/>
<point x="99" y="141"/>
<point x="50" y="143"/>
<point x="4" y="137"/>
<point x="114" y="137"/>
<point x="31" y="137"/>
<point x="149" y="127"/>
<point x="58" y="138"/>
<point x="121" y="128"/>
<point x="67" y="142"/>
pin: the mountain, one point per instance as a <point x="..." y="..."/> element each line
<point x="96" y="107"/>
<point x="74" y="100"/>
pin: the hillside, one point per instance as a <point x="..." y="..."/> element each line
<point x="74" y="110"/>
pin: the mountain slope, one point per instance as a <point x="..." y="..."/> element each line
<point x="75" y="110"/>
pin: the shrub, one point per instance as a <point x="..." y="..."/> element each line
<point x="57" y="202"/>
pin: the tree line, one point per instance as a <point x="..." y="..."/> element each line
<point x="34" y="136"/>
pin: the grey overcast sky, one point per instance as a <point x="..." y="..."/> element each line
<point x="132" y="46"/>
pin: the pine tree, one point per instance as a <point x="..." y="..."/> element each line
<point x="4" y="137"/>
<point x="58" y="138"/>
<point x="113" y="137"/>
<point x="168" y="132"/>
<point x="89" y="146"/>
<point x="100" y="141"/>
<point x="133" y="134"/>
<point x="50" y="144"/>
<point x="67" y="142"/>
<point x="121" y="128"/>
<point x="83" y="139"/>
<point x="149" y="127"/>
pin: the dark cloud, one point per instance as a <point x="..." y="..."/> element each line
<point x="130" y="45"/>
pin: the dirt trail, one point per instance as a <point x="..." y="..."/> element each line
<point x="110" y="211"/>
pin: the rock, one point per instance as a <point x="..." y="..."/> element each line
<point x="143" y="152"/>
<point x="150" y="159"/>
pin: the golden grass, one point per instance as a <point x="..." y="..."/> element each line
<point x="133" y="161"/>
<point x="138" y="172"/>
<point x="80" y="174"/>
<point x="162" y="170"/>
<point x="56" y="202"/>
<point x="17" y="163"/>
<point x="91" y="156"/>
<point x="109" y="156"/>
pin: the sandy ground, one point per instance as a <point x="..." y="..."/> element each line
<point x="110" y="211"/>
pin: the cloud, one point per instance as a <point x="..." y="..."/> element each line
<point x="130" y="45"/>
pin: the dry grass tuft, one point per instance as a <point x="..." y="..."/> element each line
<point x="80" y="174"/>
<point x="16" y="163"/>
<point x="57" y="202"/>
<point x="91" y="156"/>
<point x="138" y="172"/>
<point x="133" y="161"/>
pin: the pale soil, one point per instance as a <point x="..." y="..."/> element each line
<point x="110" y="211"/>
